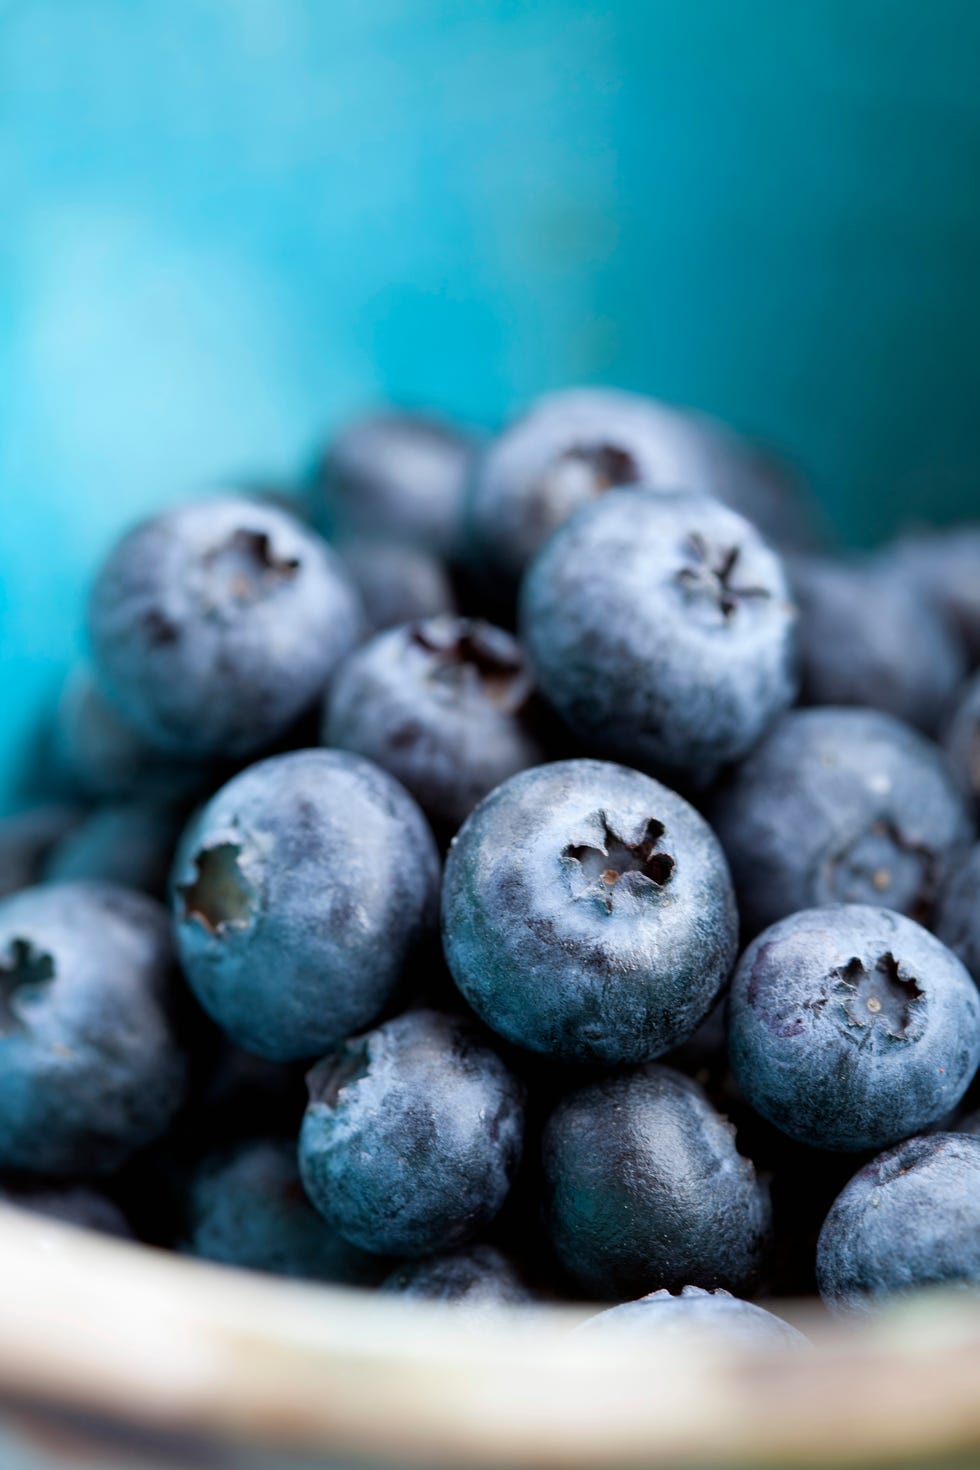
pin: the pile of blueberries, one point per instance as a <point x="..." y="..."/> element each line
<point x="513" y="871"/>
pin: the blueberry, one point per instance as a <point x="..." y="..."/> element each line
<point x="397" y="583"/>
<point x="958" y="920"/>
<point x="645" y="1188"/>
<point x="247" y="1207"/>
<point x="300" y="892"/>
<point x="412" y="1136"/>
<point x="962" y="740"/>
<point x="588" y="913"/>
<point x="476" y="1278"/>
<point x="945" y="564"/>
<point x="573" y="446"/>
<point x="27" y="840"/>
<point x="868" y="637"/>
<point x="109" y="760"/>
<point x="659" y="627"/>
<point x="216" y="624"/>
<point x="89" y="1066"/>
<point x="569" y="448"/>
<point x="441" y="704"/>
<point x="69" y="1204"/>
<point x="661" y="1316"/>
<point x="910" y="1218"/>
<point x="395" y="476"/>
<point x="131" y="843"/>
<point x="851" y="1027"/>
<point x="840" y="806"/>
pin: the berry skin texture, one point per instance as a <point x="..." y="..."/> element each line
<point x="868" y="638"/>
<point x="439" y="704"/>
<point x="412" y="1136"/>
<point x="958" y="924"/>
<point x="716" y="1316"/>
<point x="476" y="1279"/>
<point x="660" y="628"/>
<point x="215" y="625"/>
<point x="396" y="477"/>
<point x="851" y="1027"/>
<point x="644" y="1187"/>
<point x="90" y="1070"/>
<point x="300" y="892"/>
<point x="910" y="1218"/>
<point x="247" y="1207"/>
<point x="588" y="913"/>
<point x="840" y="806"/>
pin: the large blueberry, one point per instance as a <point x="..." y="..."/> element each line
<point x="588" y="913"/>
<point x="300" y="891"/>
<point x="108" y="759"/>
<point x="397" y="583"/>
<point x="131" y="843"/>
<point x="660" y="628"/>
<point x="27" y="840"/>
<point x="68" y="1204"/>
<point x="247" y="1207"/>
<point x="840" y="806"/>
<point x="573" y="446"/>
<point x="476" y="1278"/>
<point x="645" y="1189"/>
<point x="868" y="637"/>
<point x="441" y="704"/>
<point x="958" y="920"/>
<point x="412" y="1136"/>
<point x="962" y="740"/>
<point x="396" y="476"/>
<point x="850" y="1027"/>
<point x="662" y="1316"/>
<point x="910" y="1218"/>
<point x="216" y="624"/>
<point x="89" y="1067"/>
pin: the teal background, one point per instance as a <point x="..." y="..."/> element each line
<point x="226" y="223"/>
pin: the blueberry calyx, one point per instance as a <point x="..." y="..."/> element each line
<point x="329" y="1078"/>
<point x="218" y="897"/>
<point x="468" y="652"/>
<point x="609" y="465"/>
<point x="160" y="630"/>
<point x="248" y="565"/>
<point x="23" y="966"/>
<point x="711" y="575"/>
<point x="885" y="858"/>
<point x="600" y="868"/>
<point x="880" y="1002"/>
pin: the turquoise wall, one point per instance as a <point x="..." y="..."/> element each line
<point x="226" y="223"/>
